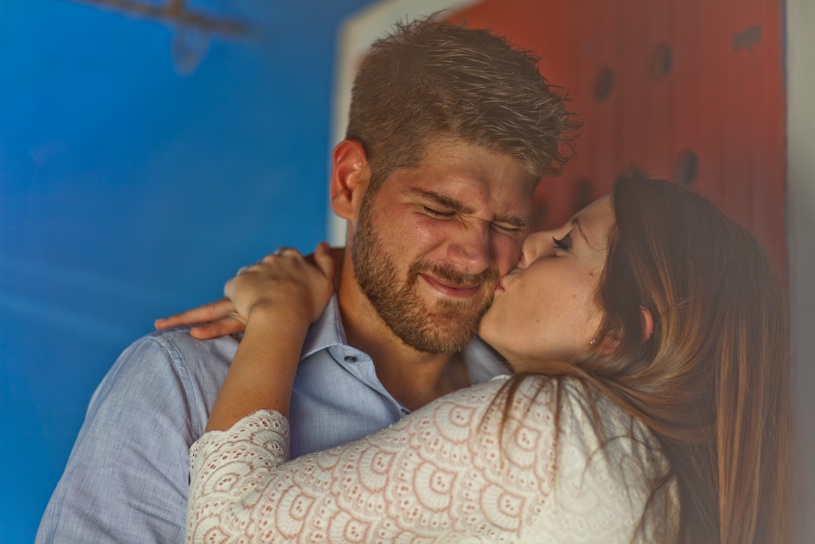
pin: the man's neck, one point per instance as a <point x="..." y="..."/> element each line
<point x="413" y="377"/>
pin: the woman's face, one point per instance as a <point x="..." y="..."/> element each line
<point x="545" y="309"/>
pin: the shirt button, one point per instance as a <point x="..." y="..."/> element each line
<point x="350" y="359"/>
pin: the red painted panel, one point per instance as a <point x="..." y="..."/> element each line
<point x="695" y="83"/>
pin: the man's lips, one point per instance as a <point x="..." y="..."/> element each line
<point x="451" y="290"/>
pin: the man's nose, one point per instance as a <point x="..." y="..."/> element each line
<point x="469" y="250"/>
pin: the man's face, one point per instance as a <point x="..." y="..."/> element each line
<point x="431" y="244"/>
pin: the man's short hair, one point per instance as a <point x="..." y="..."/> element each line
<point x="431" y="79"/>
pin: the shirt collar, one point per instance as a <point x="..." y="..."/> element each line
<point x="326" y="332"/>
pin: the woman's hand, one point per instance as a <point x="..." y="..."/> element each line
<point x="278" y="298"/>
<point x="220" y="318"/>
<point x="211" y="320"/>
<point x="286" y="282"/>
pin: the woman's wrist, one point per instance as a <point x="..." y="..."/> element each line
<point x="271" y="318"/>
<point x="273" y="314"/>
<point x="262" y="372"/>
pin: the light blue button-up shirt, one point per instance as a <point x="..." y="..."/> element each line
<point x="128" y="475"/>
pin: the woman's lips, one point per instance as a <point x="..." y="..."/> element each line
<point x="456" y="291"/>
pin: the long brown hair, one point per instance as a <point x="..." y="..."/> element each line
<point x="712" y="382"/>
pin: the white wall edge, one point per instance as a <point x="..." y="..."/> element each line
<point x="800" y="42"/>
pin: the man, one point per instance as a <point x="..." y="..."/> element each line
<point x="450" y="130"/>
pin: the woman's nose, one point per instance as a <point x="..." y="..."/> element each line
<point x="536" y="245"/>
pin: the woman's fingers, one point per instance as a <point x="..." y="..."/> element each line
<point x="324" y="260"/>
<point x="221" y="318"/>
<point x="232" y="324"/>
<point x="207" y="313"/>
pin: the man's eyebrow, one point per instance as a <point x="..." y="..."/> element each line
<point x="455" y="206"/>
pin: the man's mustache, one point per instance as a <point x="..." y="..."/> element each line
<point x="448" y="274"/>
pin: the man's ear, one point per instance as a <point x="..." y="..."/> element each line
<point x="646" y="323"/>
<point x="350" y="175"/>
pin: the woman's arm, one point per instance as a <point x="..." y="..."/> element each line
<point x="448" y="472"/>
<point x="434" y="475"/>
<point x="279" y="297"/>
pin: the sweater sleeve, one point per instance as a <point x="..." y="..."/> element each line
<point x="451" y="471"/>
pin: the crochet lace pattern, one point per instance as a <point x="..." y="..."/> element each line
<point x="450" y="472"/>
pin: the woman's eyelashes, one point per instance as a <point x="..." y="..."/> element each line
<point x="564" y="244"/>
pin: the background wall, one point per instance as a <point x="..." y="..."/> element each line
<point x="129" y="192"/>
<point x="691" y="91"/>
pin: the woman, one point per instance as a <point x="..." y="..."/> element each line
<point x="649" y="400"/>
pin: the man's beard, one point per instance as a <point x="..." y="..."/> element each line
<point x="447" y="326"/>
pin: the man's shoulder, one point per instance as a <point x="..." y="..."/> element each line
<point x="165" y="379"/>
<point x="163" y="358"/>
<point x="126" y="479"/>
<point x="179" y="348"/>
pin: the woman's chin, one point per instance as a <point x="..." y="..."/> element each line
<point x="486" y="328"/>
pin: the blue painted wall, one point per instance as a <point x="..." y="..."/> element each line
<point x="129" y="192"/>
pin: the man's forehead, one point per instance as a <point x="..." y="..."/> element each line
<point x="452" y="167"/>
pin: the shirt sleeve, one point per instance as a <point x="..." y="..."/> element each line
<point x="127" y="476"/>
<point x="449" y="471"/>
